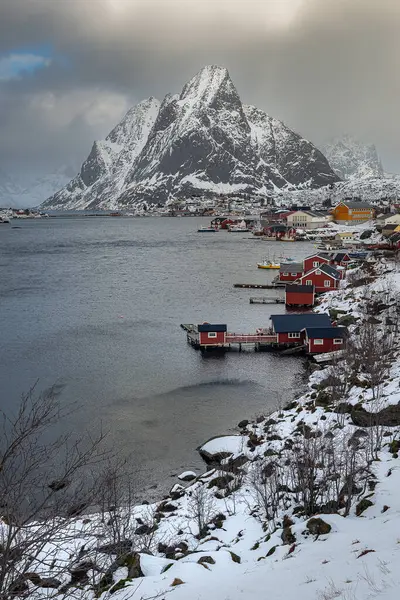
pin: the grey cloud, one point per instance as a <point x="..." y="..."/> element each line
<point x="330" y="67"/>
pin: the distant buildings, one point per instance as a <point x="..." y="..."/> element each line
<point x="348" y="212"/>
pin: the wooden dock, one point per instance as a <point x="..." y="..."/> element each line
<point x="264" y="300"/>
<point x="260" y="286"/>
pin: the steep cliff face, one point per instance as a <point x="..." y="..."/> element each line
<point x="350" y="159"/>
<point x="201" y="142"/>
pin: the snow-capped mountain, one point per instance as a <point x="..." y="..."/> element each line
<point x="351" y="159"/>
<point x="17" y="194"/>
<point x="202" y="142"/>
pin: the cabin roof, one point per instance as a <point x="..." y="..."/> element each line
<point x="297" y="322"/>
<point x="327" y="333"/>
<point x="340" y="256"/>
<point x="324" y="255"/>
<point x="291" y="268"/>
<point x="209" y="327"/>
<point x="299" y="289"/>
<point x="353" y="204"/>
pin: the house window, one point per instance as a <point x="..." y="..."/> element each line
<point x="318" y="342"/>
<point x="318" y="272"/>
<point x="315" y="264"/>
<point x="212" y="334"/>
<point x="293" y="274"/>
<point x="309" y="282"/>
<point x="285" y="274"/>
<point x="327" y="283"/>
<point x="338" y="341"/>
<point x="294" y="335"/>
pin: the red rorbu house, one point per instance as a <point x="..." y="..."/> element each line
<point x="315" y="260"/>
<point x="324" y="339"/>
<point x="340" y="259"/>
<point x="299" y="295"/>
<point x="289" y="328"/>
<point x="290" y="271"/>
<point x="211" y="334"/>
<point x="323" y="278"/>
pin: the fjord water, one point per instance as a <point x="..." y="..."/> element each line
<point x="94" y="305"/>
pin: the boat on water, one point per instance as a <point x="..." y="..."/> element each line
<point x="285" y="259"/>
<point x="4" y="219"/>
<point x="207" y="230"/>
<point x="268" y="264"/>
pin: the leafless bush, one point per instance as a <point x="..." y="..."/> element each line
<point x="201" y="507"/>
<point x="264" y="481"/>
<point x="46" y="482"/>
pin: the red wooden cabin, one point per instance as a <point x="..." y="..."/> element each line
<point x="211" y="334"/>
<point x="315" y="260"/>
<point x="324" y="339"/>
<point x="289" y="327"/>
<point x="323" y="278"/>
<point x="299" y="295"/>
<point x="290" y="271"/>
<point x="341" y="259"/>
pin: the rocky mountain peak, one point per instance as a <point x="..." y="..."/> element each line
<point x="352" y="159"/>
<point x="200" y="142"/>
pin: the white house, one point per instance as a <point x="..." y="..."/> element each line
<point x="307" y="220"/>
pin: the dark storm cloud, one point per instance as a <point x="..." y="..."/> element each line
<point x="324" y="66"/>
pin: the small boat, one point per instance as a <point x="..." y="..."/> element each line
<point x="239" y="227"/>
<point x="207" y="230"/>
<point x="286" y="259"/>
<point x="268" y="264"/>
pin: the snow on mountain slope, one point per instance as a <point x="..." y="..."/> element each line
<point x="102" y="175"/>
<point x="201" y="142"/>
<point x="351" y="159"/>
<point x="16" y="194"/>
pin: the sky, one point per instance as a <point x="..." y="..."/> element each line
<point x="70" y="69"/>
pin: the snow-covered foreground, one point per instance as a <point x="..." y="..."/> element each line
<point x="303" y="503"/>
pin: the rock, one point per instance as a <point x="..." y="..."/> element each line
<point x="235" y="557"/>
<point x="317" y="526"/>
<point x="50" y="582"/>
<point x="344" y="408"/>
<point x="206" y="559"/>
<point x="235" y="464"/>
<point x="177" y="491"/>
<point x="145" y="529"/>
<point x="243" y="424"/>
<point x="387" y="417"/>
<point x="121" y="547"/>
<point x="287" y="521"/>
<point x="271" y="550"/>
<point x="187" y="476"/>
<point x="177" y="581"/>
<point x="79" y="572"/>
<point x="33" y="578"/>
<point x="58" y="484"/>
<point x="362" y="506"/>
<point x="132" y="562"/>
<point x="166" y="507"/>
<point x="221" y="482"/>
<point x="76" y="509"/>
<point x="287" y="536"/>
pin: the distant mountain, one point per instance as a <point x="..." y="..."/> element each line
<point x="14" y="193"/>
<point x="351" y="159"/>
<point x="202" y="142"/>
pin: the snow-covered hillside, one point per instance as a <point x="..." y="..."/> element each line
<point x="351" y="159"/>
<point x="202" y="142"/>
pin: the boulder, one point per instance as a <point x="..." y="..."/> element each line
<point x="187" y="476"/>
<point x="287" y="536"/>
<point x="243" y="424"/>
<point x="206" y="559"/>
<point x="50" y="582"/>
<point x="121" y="547"/>
<point x="387" y="417"/>
<point x="221" y="482"/>
<point x="145" y="529"/>
<point x="362" y="506"/>
<point x="317" y="526"/>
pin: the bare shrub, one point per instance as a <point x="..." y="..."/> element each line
<point x="201" y="507"/>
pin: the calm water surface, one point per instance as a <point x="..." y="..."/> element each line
<point x="95" y="305"/>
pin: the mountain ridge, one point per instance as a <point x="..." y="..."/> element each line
<point x="201" y="142"/>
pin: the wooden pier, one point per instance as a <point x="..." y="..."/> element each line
<point x="264" y="300"/>
<point x="260" y="286"/>
<point x="261" y="341"/>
